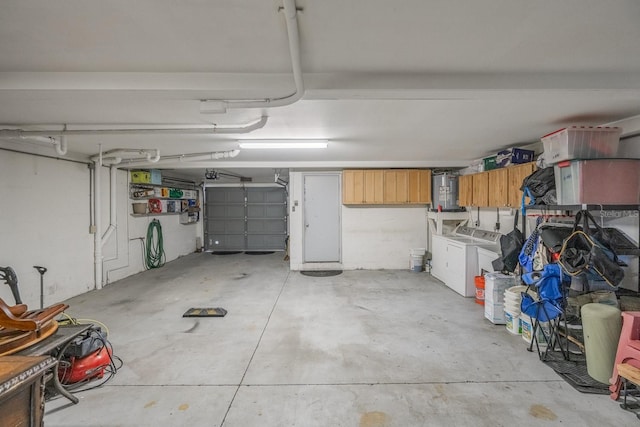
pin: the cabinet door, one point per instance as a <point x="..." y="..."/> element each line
<point x="498" y="183"/>
<point x="439" y="258"/>
<point x="465" y="190"/>
<point x="373" y="187"/>
<point x="419" y="191"/>
<point x="395" y="186"/>
<point x="352" y="187"/>
<point x="516" y="175"/>
<point x="456" y="268"/>
<point x="480" y="189"/>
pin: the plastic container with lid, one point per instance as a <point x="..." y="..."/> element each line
<point x="598" y="181"/>
<point x="581" y="143"/>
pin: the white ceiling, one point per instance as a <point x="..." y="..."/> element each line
<point x="389" y="83"/>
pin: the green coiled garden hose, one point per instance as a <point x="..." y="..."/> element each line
<point x="154" y="248"/>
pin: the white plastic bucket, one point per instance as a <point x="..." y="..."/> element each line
<point x="512" y="307"/>
<point x="513" y="322"/>
<point x="511" y="298"/>
<point x="514" y="292"/>
<point x="416" y="259"/>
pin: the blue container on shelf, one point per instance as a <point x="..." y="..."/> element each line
<point x="513" y="156"/>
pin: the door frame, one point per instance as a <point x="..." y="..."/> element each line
<point x="304" y="234"/>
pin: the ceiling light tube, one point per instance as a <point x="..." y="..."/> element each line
<point x="282" y="143"/>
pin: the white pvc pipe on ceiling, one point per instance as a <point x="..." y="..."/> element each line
<point x="21" y="133"/>
<point x="220" y="105"/>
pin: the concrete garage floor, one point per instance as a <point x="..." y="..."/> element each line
<point x="362" y="349"/>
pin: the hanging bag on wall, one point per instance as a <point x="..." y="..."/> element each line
<point x="529" y="252"/>
<point x="510" y="246"/>
<point x="582" y="252"/>
<point x="610" y="237"/>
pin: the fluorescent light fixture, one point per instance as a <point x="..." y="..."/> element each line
<point x="283" y="143"/>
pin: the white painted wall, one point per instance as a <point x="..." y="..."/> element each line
<point x="45" y="220"/>
<point x="123" y="252"/>
<point x="372" y="237"/>
<point x="382" y="237"/>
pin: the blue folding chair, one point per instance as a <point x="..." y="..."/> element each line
<point x="547" y="308"/>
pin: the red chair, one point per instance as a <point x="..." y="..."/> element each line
<point x="628" y="349"/>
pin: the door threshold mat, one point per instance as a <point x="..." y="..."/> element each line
<point x="258" y="252"/>
<point x="574" y="372"/>
<point x="205" y="312"/>
<point x="225" y="252"/>
<point x="321" y="273"/>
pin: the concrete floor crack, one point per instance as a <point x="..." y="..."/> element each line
<point x="284" y="283"/>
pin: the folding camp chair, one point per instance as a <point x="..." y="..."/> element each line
<point x="547" y="308"/>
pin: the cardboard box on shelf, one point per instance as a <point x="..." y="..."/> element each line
<point x="155" y="176"/>
<point x="140" y="177"/>
<point x="513" y="156"/>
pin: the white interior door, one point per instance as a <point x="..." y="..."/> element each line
<point x="321" y="218"/>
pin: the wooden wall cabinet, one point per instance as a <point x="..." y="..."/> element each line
<point x="373" y="186"/>
<point x="480" y="189"/>
<point x="516" y="174"/>
<point x="396" y="186"/>
<point x="494" y="188"/>
<point x="386" y="186"/>
<point x="498" y="187"/>
<point x="419" y="186"/>
<point x="465" y="190"/>
<point x="353" y="187"/>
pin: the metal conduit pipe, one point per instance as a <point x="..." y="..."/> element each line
<point x="220" y="105"/>
<point x="21" y="133"/>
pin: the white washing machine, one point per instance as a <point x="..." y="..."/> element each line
<point x="455" y="258"/>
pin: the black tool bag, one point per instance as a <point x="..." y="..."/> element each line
<point x="540" y="186"/>
<point x="583" y="252"/>
<point x="554" y="235"/>
<point x="510" y="247"/>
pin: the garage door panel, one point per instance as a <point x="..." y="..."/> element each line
<point x="266" y="226"/>
<point x="223" y="242"/>
<point x="226" y="195"/>
<point x="227" y="226"/>
<point x="265" y="242"/>
<point x="253" y="218"/>
<point x="266" y="211"/>
<point x="266" y="195"/>
<point x="222" y="211"/>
